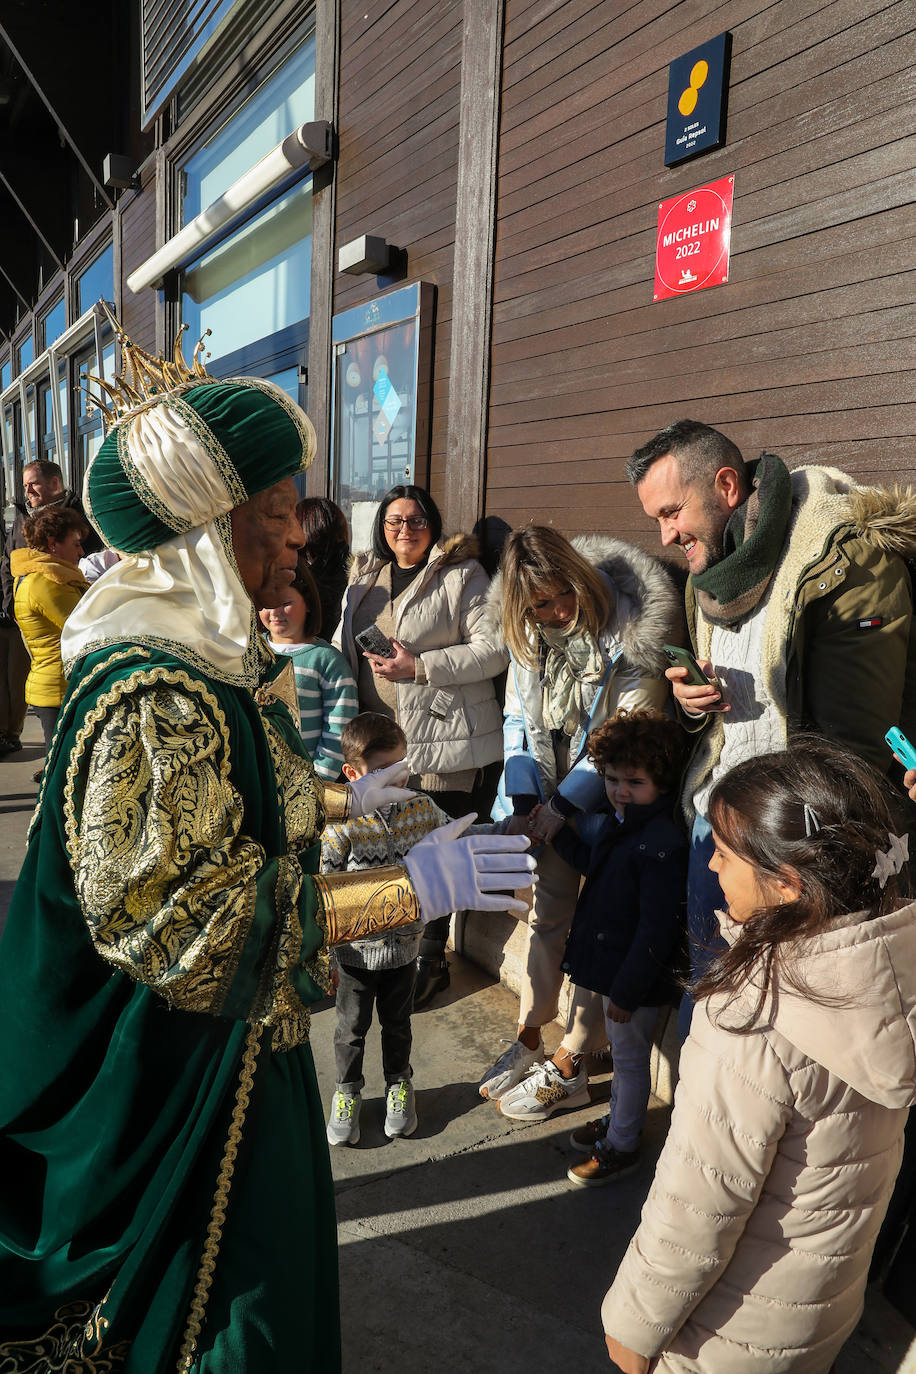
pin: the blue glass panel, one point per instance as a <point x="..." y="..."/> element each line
<point x="26" y="354"/>
<point x="53" y="324"/>
<point x="257" y="281"/>
<point x="97" y="282"/>
<point x="281" y="105"/>
<point x="6" y="375"/>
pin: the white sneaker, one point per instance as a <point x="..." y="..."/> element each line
<point x="543" y="1092"/>
<point x="343" y="1123"/>
<point x="400" y="1109"/>
<point x="509" y="1069"/>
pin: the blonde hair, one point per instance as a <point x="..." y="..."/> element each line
<point x="536" y="560"/>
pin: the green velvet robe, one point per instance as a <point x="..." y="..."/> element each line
<point x="159" y="957"/>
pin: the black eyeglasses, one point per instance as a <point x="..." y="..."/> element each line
<point x="413" y="522"/>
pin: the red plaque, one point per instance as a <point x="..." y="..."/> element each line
<point x="694" y="234"/>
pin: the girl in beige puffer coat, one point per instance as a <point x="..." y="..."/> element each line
<point x="754" y="1246"/>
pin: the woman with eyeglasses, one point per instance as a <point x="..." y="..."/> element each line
<point x="427" y="594"/>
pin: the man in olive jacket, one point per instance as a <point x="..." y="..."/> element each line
<point x="800" y="609"/>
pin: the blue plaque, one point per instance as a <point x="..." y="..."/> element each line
<point x="697" y="99"/>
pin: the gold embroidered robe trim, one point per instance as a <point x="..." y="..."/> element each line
<point x="357" y="905"/>
<point x="282" y="688"/>
<point x="72" y="1342"/>
<point x="167" y="882"/>
<point x="337" y="801"/>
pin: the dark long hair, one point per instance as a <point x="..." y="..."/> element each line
<point x="327" y="536"/>
<point x="830" y="854"/>
<point x="304" y="583"/>
<point x="404" y="493"/>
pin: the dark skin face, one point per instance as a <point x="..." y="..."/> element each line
<point x="266" y="538"/>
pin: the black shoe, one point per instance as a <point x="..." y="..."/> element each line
<point x="432" y="977"/>
<point x="9" y="744"/>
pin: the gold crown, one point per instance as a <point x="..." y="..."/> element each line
<point x="144" y="380"/>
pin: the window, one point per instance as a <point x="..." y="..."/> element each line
<point x="252" y="288"/>
<point x="53" y="324"/>
<point x="258" y="281"/>
<point x="281" y="105"/>
<point x="25" y="354"/>
<point x="87" y="418"/>
<point x="6" y="374"/>
<point x="96" y="282"/>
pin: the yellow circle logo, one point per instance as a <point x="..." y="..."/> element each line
<point x="688" y="101"/>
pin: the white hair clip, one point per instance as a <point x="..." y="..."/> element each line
<point x="890" y="861"/>
<point x="812" y="824"/>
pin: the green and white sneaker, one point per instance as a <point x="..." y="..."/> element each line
<point x="343" y="1123"/>
<point x="400" y="1109"/>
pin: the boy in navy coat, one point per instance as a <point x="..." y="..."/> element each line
<point x="627" y="936"/>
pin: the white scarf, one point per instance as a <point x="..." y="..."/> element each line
<point x="185" y="598"/>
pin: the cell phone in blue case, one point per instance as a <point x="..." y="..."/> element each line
<point x="901" y="747"/>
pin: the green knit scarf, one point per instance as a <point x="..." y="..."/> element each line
<point x="753" y="540"/>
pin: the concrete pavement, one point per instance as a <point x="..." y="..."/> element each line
<point x="465" y="1250"/>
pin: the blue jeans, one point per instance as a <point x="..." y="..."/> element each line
<point x="704" y="898"/>
<point x="631" y="1046"/>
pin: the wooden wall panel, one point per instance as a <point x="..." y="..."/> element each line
<point x="808" y="350"/>
<point x="400" y="83"/>
<point x="138" y="242"/>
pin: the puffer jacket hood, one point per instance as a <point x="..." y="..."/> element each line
<point x="655" y="601"/>
<point x="861" y="972"/>
<point x="25" y="561"/>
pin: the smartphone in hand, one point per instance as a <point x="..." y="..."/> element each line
<point x="683" y="658"/>
<point x="372" y="641"/>
<point x="901" y="747"/>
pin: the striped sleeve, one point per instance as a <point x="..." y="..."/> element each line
<point x="327" y="700"/>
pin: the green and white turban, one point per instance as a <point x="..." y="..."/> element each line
<point x="160" y="491"/>
<point x="193" y="456"/>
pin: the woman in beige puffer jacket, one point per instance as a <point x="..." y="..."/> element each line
<point x="428" y="595"/>
<point x="754" y="1246"/>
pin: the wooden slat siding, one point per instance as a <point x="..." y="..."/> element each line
<point x="769" y="158"/>
<point x="785" y="273"/>
<point x="398" y="167"/>
<point x="805" y="351"/>
<point x="138" y="242"/>
<point x="803" y="321"/>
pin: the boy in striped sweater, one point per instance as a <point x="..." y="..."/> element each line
<point x="380" y="971"/>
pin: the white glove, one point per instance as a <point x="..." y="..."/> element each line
<point x="368" y="793"/>
<point x="473" y="873"/>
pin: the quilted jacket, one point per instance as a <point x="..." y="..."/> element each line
<point x="754" y="1245"/>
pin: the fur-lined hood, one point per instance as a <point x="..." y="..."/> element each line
<point x="886" y="517"/>
<point x="644" y="581"/>
<point x="451" y="549"/>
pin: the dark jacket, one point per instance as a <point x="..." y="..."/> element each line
<point x="627" y="935"/>
<point x="16" y="540"/>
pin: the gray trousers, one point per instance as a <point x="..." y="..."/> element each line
<point x="390" y="991"/>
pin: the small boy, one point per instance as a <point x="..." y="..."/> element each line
<point x="627" y="935"/>
<point x="381" y="970"/>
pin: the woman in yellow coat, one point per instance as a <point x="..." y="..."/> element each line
<point x="48" y="584"/>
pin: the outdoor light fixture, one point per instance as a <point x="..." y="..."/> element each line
<point x="311" y="145"/>
<point x="370" y="253"/>
<point x="118" y="172"/>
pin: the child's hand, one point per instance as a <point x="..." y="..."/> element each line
<point x="909" y="782"/>
<point x="335" y="978"/>
<point x="617" y="1013"/>
<point x="545" y="822"/>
